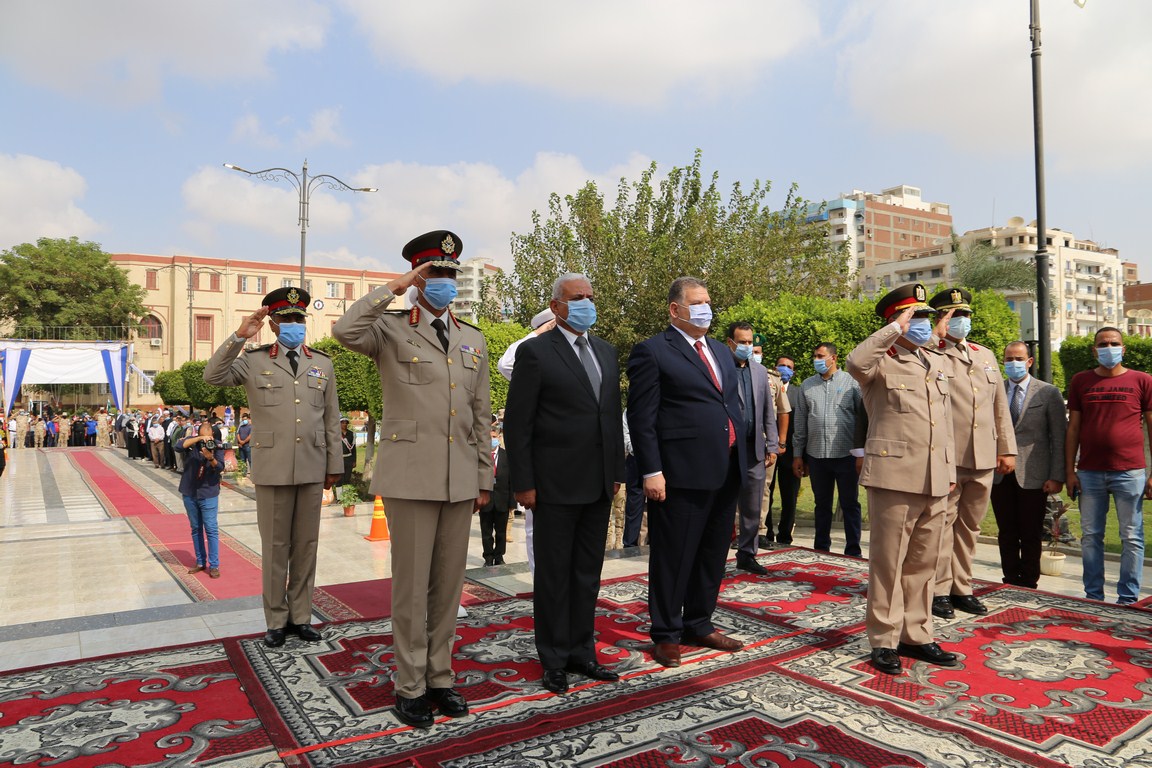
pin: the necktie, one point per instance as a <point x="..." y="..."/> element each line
<point x="589" y="365"/>
<point x="441" y="332"/>
<point x="700" y="351"/>
<point x="1017" y="402"/>
<point x="292" y="355"/>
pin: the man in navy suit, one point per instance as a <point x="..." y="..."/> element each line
<point x="683" y="408"/>
<point x="565" y="438"/>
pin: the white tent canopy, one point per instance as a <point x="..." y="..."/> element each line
<point x="63" y="362"/>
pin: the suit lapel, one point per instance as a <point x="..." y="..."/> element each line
<point x="568" y="355"/>
<point x="677" y="342"/>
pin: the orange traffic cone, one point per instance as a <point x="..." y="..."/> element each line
<point x="379" y="530"/>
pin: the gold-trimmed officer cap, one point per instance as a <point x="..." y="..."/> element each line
<point x="899" y="299"/>
<point x="287" y="301"/>
<point x="441" y="248"/>
<point x="951" y="298"/>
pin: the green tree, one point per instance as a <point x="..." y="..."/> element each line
<point x="66" y="283"/>
<point x="981" y="267"/>
<point x="652" y="234"/>
<point x="204" y="396"/>
<point x="169" y="385"/>
<point x="357" y="388"/>
<point x="1076" y="355"/>
<point x="499" y="336"/>
<point x="994" y="324"/>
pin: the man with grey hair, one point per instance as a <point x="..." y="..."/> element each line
<point x="683" y="405"/>
<point x="564" y="437"/>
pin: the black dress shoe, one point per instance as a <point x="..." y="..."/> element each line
<point x="929" y="652"/>
<point x="305" y="632"/>
<point x="886" y="660"/>
<point x="747" y="563"/>
<point x="489" y="562"/>
<point x="498" y="561"/>
<point x="274" y="638"/>
<point x="942" y="607"/>
<point x="968" y="604"/>
<point x="765" y="543"/>
<point x="555" y="680"/>
<point x="414" y="712"/>
<point x="593" y="670"/>
<point x="448" y="701"/>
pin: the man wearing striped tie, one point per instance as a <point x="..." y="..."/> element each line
<point x="1018" y="498"/>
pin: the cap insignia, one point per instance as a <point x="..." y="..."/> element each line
<point x="294" y="296"/>
<point x="957" y="297"/>
<point x="448" y="245"/>
<point x="920" y="294"/>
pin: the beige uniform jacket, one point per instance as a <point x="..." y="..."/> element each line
<point x="435" y="432"/>
<point x="909" y="444"/>
<point x="295" y="418"/>
<point x="981" y="424"/>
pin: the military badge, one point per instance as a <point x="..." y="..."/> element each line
<point x="448" y="245"/>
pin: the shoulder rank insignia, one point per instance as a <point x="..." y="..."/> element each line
<point x="891" y="352"/>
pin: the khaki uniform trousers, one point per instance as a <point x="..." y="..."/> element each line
<point x="967" y="506"/>
<point x="288" y="517"/>
<point x="902" y="552"/>
<point x="429" y="553"/>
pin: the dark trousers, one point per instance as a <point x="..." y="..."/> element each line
<point x="1020" y="517"/>
<point x="786" y="486"/>
<point x="688" y="534"/>
<point x="494" y="532"/>
<point x="568" y="540"/>
<point x="839" y="475"/>
<point x="633" y="502"/>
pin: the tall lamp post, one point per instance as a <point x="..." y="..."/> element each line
<point x="304" y="184"/>
<point x="1043" y="310"/>
<point x="192" y="271"/>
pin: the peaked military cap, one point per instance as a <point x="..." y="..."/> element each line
<point x="899" y="299"/>
<point x="441" y="248"/>
<point x="758" y="340"/>
<point x="287" y="301"/>
<point x="951" y="298"/>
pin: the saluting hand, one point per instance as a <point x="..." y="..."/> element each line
<point x="252" y="324"/>
<point x="409" y="279"/>
<point x="904" y="320"/>
<point x="941" y="328"/>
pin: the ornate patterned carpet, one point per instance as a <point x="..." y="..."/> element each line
<point x="1044" y="680"/>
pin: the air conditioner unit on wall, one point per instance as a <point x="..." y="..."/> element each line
<point x="155" y="343"/>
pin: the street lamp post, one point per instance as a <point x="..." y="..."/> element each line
<point x="192" y="271"/>
<point x="1043" y="311"/>
<point x="304" y="184"/>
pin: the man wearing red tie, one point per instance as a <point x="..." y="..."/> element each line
<point x="683" y="403"/>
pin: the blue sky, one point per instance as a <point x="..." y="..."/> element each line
<point x="119" y="115"/>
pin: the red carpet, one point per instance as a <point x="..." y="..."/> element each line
<point x="1043" y="680"/>
<point x="372" y="599"/>
<point x="170" y="539"/>
<point x="118" y="497"/>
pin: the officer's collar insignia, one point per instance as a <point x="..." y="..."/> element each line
<point x="891" y="351"/>
<point x="920" y="293"/>
<point x="957" y="297"/>
<point x="941" y="344"/>
<point x="448" y="245"/>
<point x="274" y="350"/>
<point x="455" y="322"/>
<point x="307" y="352"/>
<point x="414" y="316"/>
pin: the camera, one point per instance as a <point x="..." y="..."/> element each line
<point x="209" y="444"/>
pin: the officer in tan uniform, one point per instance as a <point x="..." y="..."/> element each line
<point x="985" y="443"/>
<point x="908" y="471"/>
<point x="292" y="397"/>
<point x="783" y="407"/>
<point x="434" y="465"/>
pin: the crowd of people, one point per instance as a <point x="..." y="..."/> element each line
<point x="50" y="428"/>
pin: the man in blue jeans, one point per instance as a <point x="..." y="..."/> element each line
<point x="1107" y="408"/>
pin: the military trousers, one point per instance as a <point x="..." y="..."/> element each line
<point x="288" y="517"/>
<point x="902" y="552"/>
<point x="429" y="554"/>
<point x="967" y="506"/>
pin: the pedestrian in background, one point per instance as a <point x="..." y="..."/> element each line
<point x="494" y="514"/>
<point x="785" y="481"/>
<point x="244" y="442"/>
<point x="200" y="488"/>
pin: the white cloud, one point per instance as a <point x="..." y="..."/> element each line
<point x="635" y="52"/>
<point x="323" y="128"/>
<point x="123" y="51"/>
<point x="39" y="198"/>
<point x="248" y="130"/>
<point x="962" y="71"/>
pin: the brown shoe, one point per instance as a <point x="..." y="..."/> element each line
<point x="666" y="654"/>
<point x="196" y="569"/>
<point x="716" y="641"/>
<point x="214" y="573"/>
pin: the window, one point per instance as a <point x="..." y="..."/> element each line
<point x="287" y="282"/>
<point x="348" y="291"/>
<point x="203" y="327"/>
<point x="144" y="382"/>
<point x="150" y="328"/>
<point x="195" y="279"/>
<point x="937" y="273"/>
<point x="242" y="283"/>
<point x="333" y="290"/>
<point x="152" y="280"/>
<point x="261" y="285"/>
<point x="214" y="282"/>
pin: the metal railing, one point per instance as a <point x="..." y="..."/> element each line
<point x="72" y="333"/>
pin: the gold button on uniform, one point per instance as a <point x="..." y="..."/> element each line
<point x="901" y="386"/>
<point x="297" y="421"/>
<point x="451" y="439"/>
<point x="297" y="403"/>
<point x="883" y="453"/>
<point x="452" y="385"/>
<point x="393" y="437"/>
<point x="449" y="361"/>
<point x="415" y="359"/>
<point x="298" y="439"/>
<point x="452" y="412"/>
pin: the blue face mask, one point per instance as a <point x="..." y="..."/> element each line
<point x="919" y="330"/>
<point x="581" y="314"/>
<point x="291" y="335"/>
<point x="439" y="291"/>
<point x="786" y="373"/>
<point x="1016" y="369"/>
<point x="743" y="352"/>
<point x="821" y="365"/>
<point x="959" y="327"/>
<point x="495" y="443"/>
<point x="1109" y="357"/>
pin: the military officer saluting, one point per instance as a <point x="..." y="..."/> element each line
<point x="985" y="443"/>
<point x="434" y="466"/>
<point x="292" y="397"/>
<point x="908" y="471"/>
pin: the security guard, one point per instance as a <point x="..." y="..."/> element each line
<point x="985" y="442"/>
<point x="434" y="466"/>
<point x="292" y="397"/>
<point x="908" y="471"/>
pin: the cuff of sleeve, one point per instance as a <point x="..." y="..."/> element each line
<point x="857" y="452"/>
<point x="652" y="474"/>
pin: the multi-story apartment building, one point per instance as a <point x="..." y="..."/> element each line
<point x="1138" y="308"/>
<point x="470" y="284"/>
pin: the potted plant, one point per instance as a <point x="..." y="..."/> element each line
<point x="349" y="498"/>
<point x="1052" y="559"/>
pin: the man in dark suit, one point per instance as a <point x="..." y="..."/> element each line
<point x="494" y="514"/>
<point x="683" y="408"/>
<point x="564" y="432"/>
<point x="761" y="436"/>
<point x="1019" y="497"/>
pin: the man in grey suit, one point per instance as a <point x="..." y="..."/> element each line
<point x="292" y="397"/>
<point x="762" y="440"/>
<point x="1018" y="498"/>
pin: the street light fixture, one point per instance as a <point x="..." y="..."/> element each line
<point x="304" y="184"/>
<point x="192" y="271"/>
